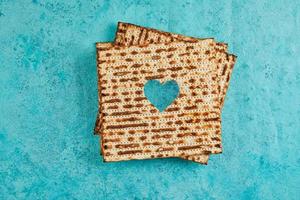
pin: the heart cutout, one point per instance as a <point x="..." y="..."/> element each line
<point x="161" y="95"/>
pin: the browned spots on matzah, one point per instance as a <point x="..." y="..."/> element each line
<point x="140" y="98"/>
<point x="125" y="113"/>
<point x="111" y="140"/>
<point x="128" y="152"/>
<point x="112" y="101"/>
<point x="160" y="130"/>
<point x="152" y="143"/>
<point x="190" y="147"/>
<point x="156" y="57"/>
<point x="155" y="77"/>
<point x="133" y="79"/>
<point x="172" y="109"/>
<point x="162" y="136"/>
<point x="124" y="146"/>
<point x="121" y="73"/>
<point x="130" y="119"/>
<point x="136" y="65"/>
<point x="126" y="126"/>
<point x="113" y="107"/>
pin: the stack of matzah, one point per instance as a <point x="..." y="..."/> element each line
<point x="132" y="119"/>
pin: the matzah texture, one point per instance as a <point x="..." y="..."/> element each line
<point x="132" y="128"/>
<point x="101" y="46"/>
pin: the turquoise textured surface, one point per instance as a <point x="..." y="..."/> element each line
<point x="48" y="101"/>
<point x="161" y="95"/>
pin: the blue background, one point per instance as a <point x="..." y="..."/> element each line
<point x="48" y="101"/>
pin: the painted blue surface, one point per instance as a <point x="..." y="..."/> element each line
<point x="161" y="95"/>
<point x="48" y="101"/>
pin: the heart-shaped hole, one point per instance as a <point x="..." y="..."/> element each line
<point x="161" y="95"/>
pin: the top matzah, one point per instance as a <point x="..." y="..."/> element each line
<point x="119" y="140"/>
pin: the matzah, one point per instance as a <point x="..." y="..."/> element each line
<point x="167" y="140"/>
<point x="133" y="34"/>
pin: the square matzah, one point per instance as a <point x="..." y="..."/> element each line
<point x="132" y="128"/>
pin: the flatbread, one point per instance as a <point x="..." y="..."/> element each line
<point x="155" y="36"/>
<point x="129" y="34"/>
<point x="185" y="127"/>
<point x="101" y="46"/>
